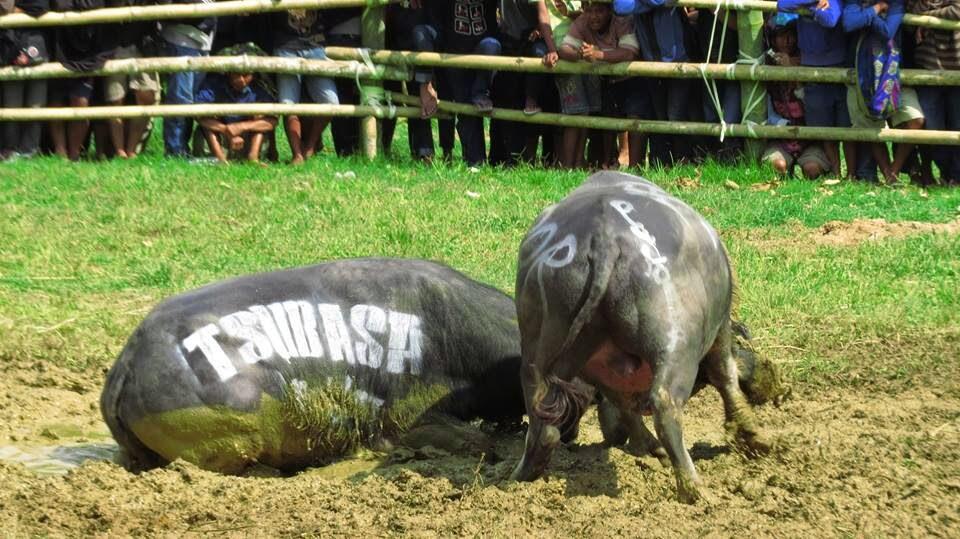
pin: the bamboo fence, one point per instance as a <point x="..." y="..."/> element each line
<point x="682" y="70"/>
<point x="211" y="64"/>
<point x="371" y="66"/>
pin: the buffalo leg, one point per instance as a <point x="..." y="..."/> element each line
<point x="621" y="421"/>
<point x="667" y="400"/>
<point x="722" y="373"/>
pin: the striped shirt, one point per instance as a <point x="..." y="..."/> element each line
<point x="940" y="49"/>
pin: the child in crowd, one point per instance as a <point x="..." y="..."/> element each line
<point x="875" y="101"/>
<point x="823" y="43"/>
<point x="596" y="36"/>
<point x="939" y="50"/>
<point x="241" y="135"/>
<point x="786" y="106"/>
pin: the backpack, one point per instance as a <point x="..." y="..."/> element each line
<point x="878" y="76"/>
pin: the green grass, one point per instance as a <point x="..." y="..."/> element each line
<point x="86" y="249"/>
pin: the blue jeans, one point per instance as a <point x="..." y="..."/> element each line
<point x="941" y="108"/>
<point x="181" y="89"/>
<point x="321" y="89"/>
<point x="825" y="105"/>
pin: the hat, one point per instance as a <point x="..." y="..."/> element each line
<point x="781" y="21"/>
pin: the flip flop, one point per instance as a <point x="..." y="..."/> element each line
<point x="531" y="111"/>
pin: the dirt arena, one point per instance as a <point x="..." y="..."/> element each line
<point x="863" y="456"/>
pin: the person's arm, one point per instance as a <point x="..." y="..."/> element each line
<point x="796" y="5"/>
<point x="855" y="16"/>
<point x="570" y="48"/>
<point x="827" y="13"/>
<point x="259" y="124"/>
<point x="546" y="33"/>
<point x="568" y="53"/>
<point x="889" y="26"/>
<point x="592" y="53"/>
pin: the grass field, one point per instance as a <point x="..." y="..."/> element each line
<point x="863" y="316"/>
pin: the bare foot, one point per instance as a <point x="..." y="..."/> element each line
<point x="428" y="100"/>
<point x="297" y="160"/>
<point x="122" y="154"/>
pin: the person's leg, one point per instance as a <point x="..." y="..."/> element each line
<point x="679" y="92"/>
<point x="12" y="98"/>
<point x="933" y="101"/>
<point x="114" y="92"/>
<point x="820" y="110"/>
<point x="469" y="128"/>
<point x="951" y="167"/>
<point x="322" y="90"/>
<point x="907" y="116"/>
<point x="813" y="162"/>
<point x="480" y="86"/>
<point x="425" y="40"/>
<point x="181" y="88"/>
<point x="36" y="97"/>
<point x="79" y="95"/>
<point x="288" y="92"/>
<point x="779" y="160"/>
<point x="254" y="142"/>
<point x="533" y="83"/>
<point x="146" y="90"/>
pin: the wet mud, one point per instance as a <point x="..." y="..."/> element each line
<point x="854" y="462"/>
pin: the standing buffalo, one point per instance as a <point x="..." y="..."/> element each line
<point x="628" y="288"/>
<point x="297" y="367"/>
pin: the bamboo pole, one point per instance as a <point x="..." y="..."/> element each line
<point x="753" y="95"/>
<point x="174" y="11"/>
<point x="239" y="7"/>
<point x="203" y="110"/>
<point x="373" y="36"/>
<point x="702" y="128"/>
<point x="688" y="70"/>
<point x="221" y="64"/>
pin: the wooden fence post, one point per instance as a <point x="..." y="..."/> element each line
<point x="373" y="37"/>
<point x="753" y="94"/>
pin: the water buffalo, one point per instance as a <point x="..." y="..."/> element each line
<point x="297" y="367"/>
<point x="629" y="289"/>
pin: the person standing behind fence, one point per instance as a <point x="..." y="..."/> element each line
<point x="298" y="33"/>
<point x="460" y="27"/>
<point x="596" y="36"/>
<point x="878" y="98"/>
<point x="662" y="36"/>
<point x="189" y="37"/>
<point x="940" y="50"/>
<point x="823" y="43"/>
<point x="125" y="135"/>
<point x="22" y="47"/>
<point x="79" y="48"/>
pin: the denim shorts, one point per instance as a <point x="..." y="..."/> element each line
<point x="322" y="90"/>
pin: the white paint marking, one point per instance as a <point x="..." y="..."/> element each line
<point x="338" y="336"/>
<point x="203" y="339"/>
<point x="242" y="325"/>
<point x="365" y="318"/>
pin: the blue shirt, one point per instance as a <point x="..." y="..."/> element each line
<point x="216" y="89"/>
<point x="667" y="42"/>
<point x="822" y="42"/>
<point x="859" y="15"/>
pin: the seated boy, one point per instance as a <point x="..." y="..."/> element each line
<point x="596" y="36"/>
<point x="242" y="135"/>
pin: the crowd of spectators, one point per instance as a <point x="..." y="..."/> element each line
<point x="866" y="35"/>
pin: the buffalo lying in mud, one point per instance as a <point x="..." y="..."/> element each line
<point x="298" y="367"/>
<point x="627" y="288"/>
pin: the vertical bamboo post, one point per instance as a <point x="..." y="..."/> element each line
<point x="753" y="94"/>
<point x="373" y="37"/>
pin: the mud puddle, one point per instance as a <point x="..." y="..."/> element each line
<point x="58" y="459"/>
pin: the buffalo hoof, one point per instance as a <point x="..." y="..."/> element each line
<point x="688" y="491"/>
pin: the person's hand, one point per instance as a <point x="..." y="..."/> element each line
<point x="692" y="14"/>
<point x="881" y="8"/>
<point x="534" y="35"/>
<point x="823" y="4"/>
<point x="550" y="59"/>
<point x="590" y="53"/>
<point x="236" y="143"/>
<point x="21" y="60"/>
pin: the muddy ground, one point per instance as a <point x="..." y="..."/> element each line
<point x="863" y="459"/>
